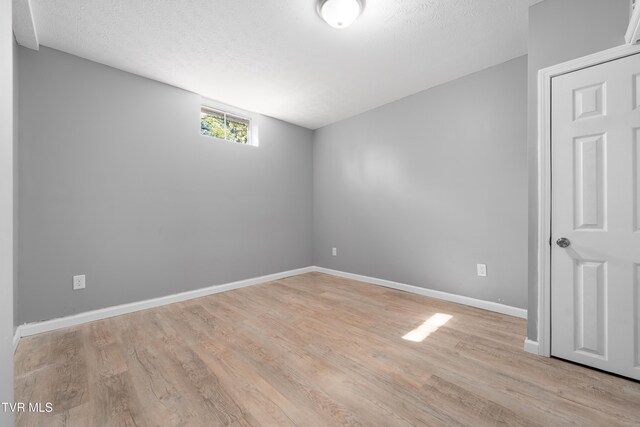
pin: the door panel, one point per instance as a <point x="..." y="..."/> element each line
<point x="637" y="315"/>
<point x="595" y="301"/>
<point x="589" y="101"/>
<point x="636" y="100"/>
<point x="636" y="173"/>
<point x="589" y="182"/>
<point x="589" y="322"/>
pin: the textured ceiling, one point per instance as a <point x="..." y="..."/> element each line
<point x="278" y="58"/>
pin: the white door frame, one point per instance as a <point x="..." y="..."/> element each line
<point x="633" y="32"/>
<point x="544" y="180"/>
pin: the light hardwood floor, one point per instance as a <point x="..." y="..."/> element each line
<point x="310" y="350"/>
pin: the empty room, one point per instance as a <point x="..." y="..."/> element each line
<point x="319" y="213"/>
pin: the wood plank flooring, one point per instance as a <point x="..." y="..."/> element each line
<point x="310" y="350"/>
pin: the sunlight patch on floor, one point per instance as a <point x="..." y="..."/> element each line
<point x="427" y="328"/>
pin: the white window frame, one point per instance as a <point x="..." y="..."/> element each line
<point x="252" y="137"/>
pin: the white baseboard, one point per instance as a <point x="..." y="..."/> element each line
<point x="531" y="346"/>
<point x="16" y="338"/>
<point x="103" y="313"/>
<point x="473" y="302"/>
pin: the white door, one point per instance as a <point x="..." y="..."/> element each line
<point x="595" y="281"/>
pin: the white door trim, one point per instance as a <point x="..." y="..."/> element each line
<point x="633" y="32"/>
<point x="544" y="179"/>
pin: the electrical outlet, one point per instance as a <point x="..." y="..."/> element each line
<point x="79" y="282"/>
<point x="334" y="251"/>
<point x="482" y="270"/>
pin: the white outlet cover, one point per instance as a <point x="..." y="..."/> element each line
<point x="482" y="270"/>
<point x="79" y="282"/>
<point x="334" y="251"/>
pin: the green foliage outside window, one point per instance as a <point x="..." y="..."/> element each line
<point x="224" y="126"/>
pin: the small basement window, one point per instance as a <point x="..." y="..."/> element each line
<point x="227" y="126"/>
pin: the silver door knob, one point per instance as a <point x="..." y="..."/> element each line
<point x="563" y="242"/>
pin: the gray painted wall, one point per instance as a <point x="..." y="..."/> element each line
<point x="561" y="30"/>
<point x="116" y="182"/>
<point x="168" y="221"/>
<point x="6" y="210"/>
<point x="421" y="190"/>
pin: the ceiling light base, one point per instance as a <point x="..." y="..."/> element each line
<point x="340" y="13"/>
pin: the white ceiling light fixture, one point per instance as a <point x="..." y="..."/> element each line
<point x="340" y="13"/>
